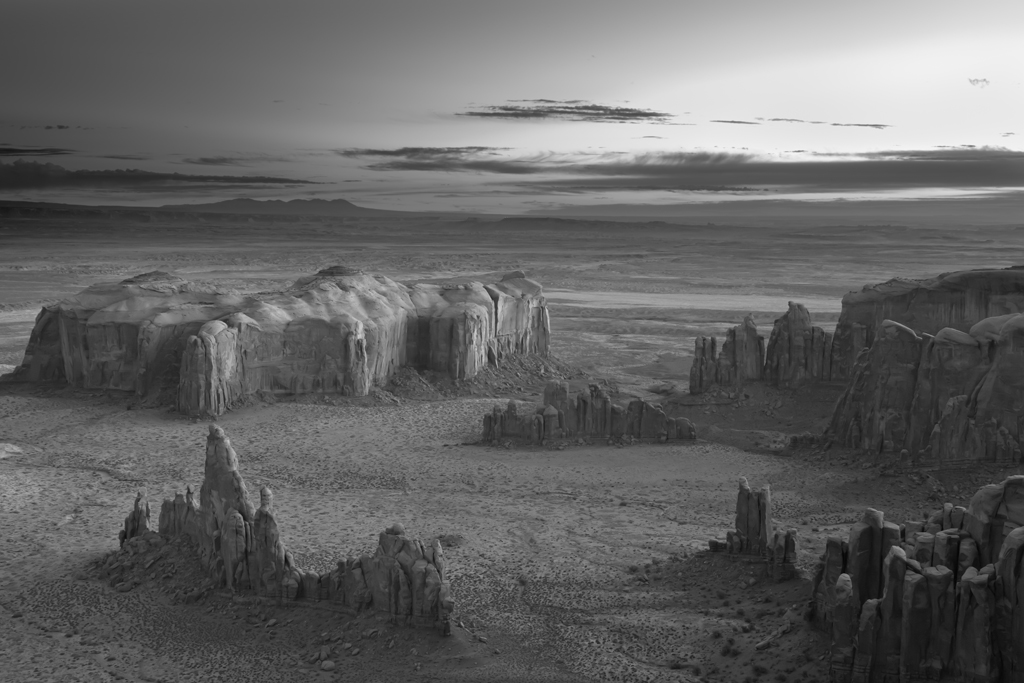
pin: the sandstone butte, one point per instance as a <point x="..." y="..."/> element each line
<point x="239" y="546"/>
<point x="338" y="331"/>
<point x="937" y="599"/>
<point x="798" y="352"/>
<point x="934" y="369"/>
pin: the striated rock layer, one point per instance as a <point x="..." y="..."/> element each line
<point x="950" y="399"/>
<point x="240" y="546"/>
<point x="590" y="414"/>
<point x="941" y="599"/>
<point x="955" y="300"/>
<point x="339" y="331"/>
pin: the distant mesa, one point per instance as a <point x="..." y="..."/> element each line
<point x="338" y="331"/>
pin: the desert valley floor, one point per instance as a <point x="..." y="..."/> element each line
<point x="567" y="564"/>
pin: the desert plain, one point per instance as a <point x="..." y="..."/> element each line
<point x="567" y="562"/>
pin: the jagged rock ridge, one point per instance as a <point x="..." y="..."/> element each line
<point x="240" y="546"/>
<point x="338" y="331"/>
<point x="941" y="599"/>
<point x="797" y="353"/>
<point x="589" y="414"/>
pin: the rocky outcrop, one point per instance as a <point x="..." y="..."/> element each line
<point x="755" y="537"/>
<point x="956" y="300"/>
<point x="741" y="358"/>
<point x="339" y="331"/>
<point x="588" y="415"/>
<point x="949" y="400"/>
<point x="939" y="599"/>
<point x="797" y="353"/>
<point x="241" y="548"/>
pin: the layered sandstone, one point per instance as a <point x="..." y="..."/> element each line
<point x="240" y="546"/>
<point x="956" y="300"/>
<point x="339" y="331"/>
<point x="587" y="415"/>
<point x="939" y="599"/>
<point x="945" y="400"/>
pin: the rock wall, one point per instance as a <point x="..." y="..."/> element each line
<point x="946" y="400"/>
<point x="240" y="546"/>
<point x="941" y="599"/>
<point x="957" y="300"/>
<point x="754" y="535"/>
<point x="588" y="415"/>
<point x="339" y="331"/>
<point x="797" y="353"/>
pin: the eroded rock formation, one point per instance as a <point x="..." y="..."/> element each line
<point x="955" y="300"/>
<point x="754" y="534"/>
<point x="944" y="400"/>
<point x="940" y="599"/>
<point x="588" y="415"/>
<point x="241" y="548"/>
<point x="797" y="353"/>
<point x="339" y="331"/>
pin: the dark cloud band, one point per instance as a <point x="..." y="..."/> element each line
<point x="34" y="174"/>
<point x="568" y="110"/>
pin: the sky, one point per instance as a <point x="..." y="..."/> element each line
<point x="509" y="107"/>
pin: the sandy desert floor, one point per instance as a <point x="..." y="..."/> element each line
<point x="579" y="564"/>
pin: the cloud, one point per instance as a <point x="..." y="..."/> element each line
<point x="742" y="123"/>
<point x="483" y="159"/>
<point x="1008" y="135"/>
<point x="125" y="157"/>
<point x="978" y="82"/>
<point x="234" y="160"/>
<point x="961" y="167"/>
<point x="36" y="175"/>
<point x="878" y="126"/>
<point x="30" y="151"/>
<point x="568" y="110"/>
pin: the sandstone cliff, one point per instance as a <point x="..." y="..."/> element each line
<point x="240" y="547"/>
<point x="940" y="599"/>
<point x="338" y="331"/>
<point x="944" y="400"/>
<point x="956" y="300"/>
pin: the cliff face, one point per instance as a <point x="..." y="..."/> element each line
<point x="339" y="331"/>
<point x="956" y="300"/>
<point x="947" y="400"/>
<point x="938" y="599"/>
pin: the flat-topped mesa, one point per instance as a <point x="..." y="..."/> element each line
<point x="957" y="300"/>
<point x="947" y="400"/>
<point x="338" y="331"/>
<point x="797" y="353"/>
<point x="588" y="415"/>
<point x="938" y="599"/>
<point x="240" y="546"/>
